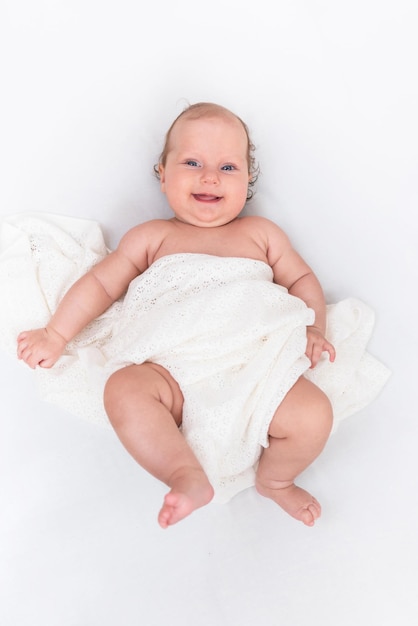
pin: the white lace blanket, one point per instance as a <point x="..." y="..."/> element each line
<point x="232" y="339"/>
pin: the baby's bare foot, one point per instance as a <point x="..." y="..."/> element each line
<point x="294" y="500"/>
<point x="189" y="491"/>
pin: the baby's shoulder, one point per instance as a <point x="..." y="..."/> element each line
<point x="257" y="219"/>
<point x="150" y="231"/>
<point x="156" y="225"/>
<point x="262" y="224"/>
<point x="140" y="242"/>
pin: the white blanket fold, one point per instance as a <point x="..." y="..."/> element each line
<point x="232" y="339"/>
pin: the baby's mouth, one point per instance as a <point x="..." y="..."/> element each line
<point x="204" y="197"/>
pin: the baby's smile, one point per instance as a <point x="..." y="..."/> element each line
<point x="204" y="197"/>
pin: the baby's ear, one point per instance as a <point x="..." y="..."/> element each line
<point x="161" y="176"/>
<point x="161" y="172"/>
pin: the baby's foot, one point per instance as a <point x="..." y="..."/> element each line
<point x="295" y="501"/>
<point x="190" y="490"/>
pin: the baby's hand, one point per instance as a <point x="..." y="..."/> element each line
<point x="317" y="344"/>
<point x="42" y="347"/>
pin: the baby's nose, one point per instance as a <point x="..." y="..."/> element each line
<point x="210" y="176"/>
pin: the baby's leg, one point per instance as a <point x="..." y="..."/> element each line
<point x="144" y="404"/>
<point x="297" y="434"/>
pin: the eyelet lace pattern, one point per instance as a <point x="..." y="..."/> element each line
<point x="232" y="339"/>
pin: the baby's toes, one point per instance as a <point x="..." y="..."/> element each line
<point x="311" y="513"/>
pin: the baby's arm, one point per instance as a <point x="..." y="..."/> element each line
<point x="88" y="298"/>
<point x="291" y="271"/>
<point x="308" y="288"/>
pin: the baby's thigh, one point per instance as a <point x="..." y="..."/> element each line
<point x="305" y="408"/>
<point x="147" y="382"/>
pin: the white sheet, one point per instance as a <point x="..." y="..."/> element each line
<point x="233" y="339"/>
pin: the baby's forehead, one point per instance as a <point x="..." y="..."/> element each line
<point x="226" y="119"/>
<point x="221" y="117"/>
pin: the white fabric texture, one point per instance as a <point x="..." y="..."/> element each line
<point x="232" y="339"/>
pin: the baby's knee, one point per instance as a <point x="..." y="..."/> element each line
<point x="323" y="415"/>
<point x="113" y="393"/>
<point x="133" y="389"/>
<point x="316" y="415"/>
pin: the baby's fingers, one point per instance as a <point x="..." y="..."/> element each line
<point x="28" y="349"/>
<point x="27" y="356"/>
<point x="316" y="349"/>
<point x="315" y="354"/>
<point x="331" y="351"/>
<point x="24" y="351"/>
<point x="22" y="345"/>
<point x="47" y="363"/>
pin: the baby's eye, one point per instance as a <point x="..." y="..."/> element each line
<point x="228" y="168"/>
<point x="192" y="162"/>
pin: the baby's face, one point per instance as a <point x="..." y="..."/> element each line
<point x="206" y="176"/>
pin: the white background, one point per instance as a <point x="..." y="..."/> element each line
<point x="329" y="91"/>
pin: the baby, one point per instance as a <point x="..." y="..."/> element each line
<point x="206" y="170"/>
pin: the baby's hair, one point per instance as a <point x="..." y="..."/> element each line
<point x="209" y="109"/>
